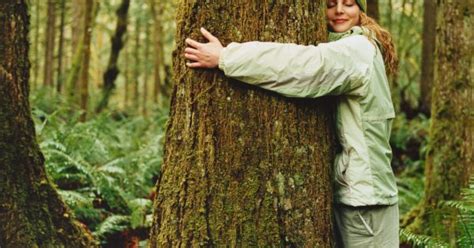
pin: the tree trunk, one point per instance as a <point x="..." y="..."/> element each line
<point x="49" y="44"/>
<point x="373" y="9"/>
<point x="126" y="84"/>
<point x="117" y="43"/>
<point x="157" y="13"/>
<point x="428" y="55"/>
<point x="77" y="34"/>
<point x="145" y="69"/>
<point x="450" y="160"/>
<point x="61" y="47"/>
<point x="136" y="66"/>
<point x="84" y="77"/>
<point x="244" y="167"/>
<point x="31" y="212"/>
<point x="36" y="45"/>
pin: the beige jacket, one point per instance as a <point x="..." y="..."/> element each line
<point x="351" y="67"/>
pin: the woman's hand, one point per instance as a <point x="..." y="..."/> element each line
<point x="203" y="55"/>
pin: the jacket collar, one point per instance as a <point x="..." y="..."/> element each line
<point x="353" y="31"/>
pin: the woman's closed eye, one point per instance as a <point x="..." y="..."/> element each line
<point x="333" y="3"/>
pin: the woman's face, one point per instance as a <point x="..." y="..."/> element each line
<point x="342" y="15"/>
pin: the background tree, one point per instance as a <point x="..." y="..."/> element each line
<point x="36" y="42"/>
<point x="450" y="159"/>
<point x="31" y="212"/>
<point x="86" y="42"/>
<point x="49" y="44"/>
<point x="428" y="55"/>
<point x="245" y="167"/>
<point x="157" y="9"/>
<point x="60" y="76"/>
<point x="373" y="9"/>
<point x="117" y="42"/>
<point x="77" y="37"/>
<point x="137" y="60"/>
<point x="146" y="60"/>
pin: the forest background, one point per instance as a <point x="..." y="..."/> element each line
<point x="101" y="78"/>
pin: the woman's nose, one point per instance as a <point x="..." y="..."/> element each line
<point x="339" y="8"/>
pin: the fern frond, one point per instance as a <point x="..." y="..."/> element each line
<point x="75" y="199"/>
<point x="140" y="207"/>
<point x="112" y="225"/>
<point x="418" y="240"/>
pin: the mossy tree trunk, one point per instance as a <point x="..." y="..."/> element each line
<point x="244" y="167"/>
<point x="449" y="162"/>
<point x="31" y="212"/>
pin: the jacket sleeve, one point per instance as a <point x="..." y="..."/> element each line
<point x="333" y="68"/>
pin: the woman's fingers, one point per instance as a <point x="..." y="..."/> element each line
<point x="191" y="50"/>
<point x="194" y="64"/>
<point x="191" y="56"/>
<point x="203" y="55"/>
<point x="208" y="35"/>
<point x="193" y="43"/>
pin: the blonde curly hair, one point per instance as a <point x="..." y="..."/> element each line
<point x="384" y="39"/>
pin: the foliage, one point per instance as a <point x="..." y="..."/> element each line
<point x="465" y="222"/>
<point x="409" y="141"/>
<point x="420" y="240"/>
<point x="404" y="19"/>
<point x="465" y="210"/>
<point x="105" y="167"/>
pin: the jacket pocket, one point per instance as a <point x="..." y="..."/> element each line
<point x="341" y="164"/>
<point x="365" y="222"/>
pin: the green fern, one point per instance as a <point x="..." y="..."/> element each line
<point x="103" y="167"/>
<point x="421" y="240"/>
<point x="112" y="225"/>
<point x="140" y="209"/>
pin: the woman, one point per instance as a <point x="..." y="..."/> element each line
<point x="353" y="65"/>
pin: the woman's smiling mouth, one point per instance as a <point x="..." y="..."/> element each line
<point x="339" y="21"/>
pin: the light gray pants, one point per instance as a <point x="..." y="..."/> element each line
<point x="367" y="226"/>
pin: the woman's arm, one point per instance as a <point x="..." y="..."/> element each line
<point x="292" y="70"/>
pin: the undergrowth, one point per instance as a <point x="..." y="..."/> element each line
<point x="105" y="168"/>
<point x="464" y="209"/>
<point x="409" y="143"/>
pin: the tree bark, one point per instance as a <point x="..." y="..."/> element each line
<point x="31" y="212"/>
<point x="428" y="55"/>
<point x="84" y="77"/>
<point x="450" y="159"/>
<point x="49" y="44"/>
<point x="373" y="9"/>
<point x="117" y="44"/>
<point x="244" y="167"/>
